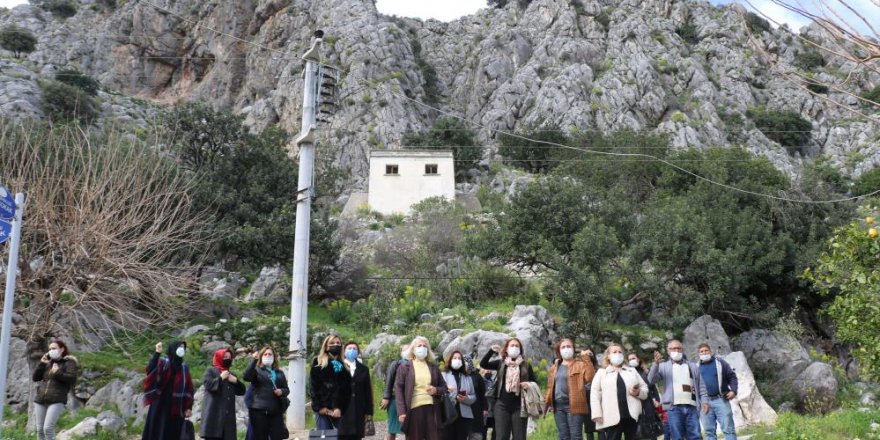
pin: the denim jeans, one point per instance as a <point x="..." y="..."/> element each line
<point x="47" y="417"/>
<point x="325" y="422"/>
<point x="720" y="413"/>
<point x="568" y="426"/>
<point x="684" y="422"/>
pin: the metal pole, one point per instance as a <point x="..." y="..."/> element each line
<point x="296" y="371"/>
<point x="11" y="274"/>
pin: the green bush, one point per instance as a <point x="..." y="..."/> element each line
<point x="61" y="8"/>
<point x="78" y="79"/>
<point x="787" y="128"/>
<point x="413" y="304"/>
<point x="66" y="103"/>
<point x="867" y="182"/>
<point x="604" y="17"/>
<point x="448" y="134"/>
<point x="17" y="40"/>
<point x="756" y="23"/>
<point x="532" y="149"/>
<point x="340" y="311"/>
<point x="688" y="33"/>
<point x="809" y="59"/>
<point x="872" y="95"/>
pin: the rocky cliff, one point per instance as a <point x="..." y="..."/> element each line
<point x="582" y="64"/>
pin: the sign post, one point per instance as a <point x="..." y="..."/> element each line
<point x="14" y="209"/>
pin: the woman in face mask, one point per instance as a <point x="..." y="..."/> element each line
<point x="566" y="394"/>
<point x="218" y="407"/>
<point x="329" y="384"/>
<point x="616" y="396"/>
<point x="514" y="375"/>
<point x="418" y="388"/>
<point x="55" y="374"/>
<point x="360" y="402"/>
<point x="461" y="389"/>
<point x="168" y="391"/>
<point x="269" y="396"/>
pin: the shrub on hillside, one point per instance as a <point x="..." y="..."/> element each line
<point x="448" y="134"/>
<point x="61" y="8"/>
<point x="533" y="150"/>
<point x="17" y="40"/>
<point x="787" y="128"/>
<point x="65" y="103"/>
<point x="809" y="59"/>
<point x="78" y="79"/>
<point x="688" y="33"/>
<point x="872" y="95"/>
<point x="867" y="183"/>
<point x="756" y="23"/>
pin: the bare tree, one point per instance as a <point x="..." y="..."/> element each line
<point x="110" y="240"/>
<point x="846" y="30"/>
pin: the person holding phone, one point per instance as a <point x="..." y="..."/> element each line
<point x="168" y="391"/>
<point x="616" y="396"/>
<point x="55" y="376"/>
<point x="461" y="389"/>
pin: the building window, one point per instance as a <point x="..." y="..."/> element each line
<point x="391" y="170"/>
<point x="431" y="169"/>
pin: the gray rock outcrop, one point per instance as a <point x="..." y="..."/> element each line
<point x="705" y="330"/>
<point x="477" y="342"/>
<point x="749" y="407"/>
<point x="534" y="326"/>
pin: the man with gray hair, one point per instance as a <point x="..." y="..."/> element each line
<point x="683" y="391"/>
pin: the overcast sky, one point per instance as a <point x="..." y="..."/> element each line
<point x="452" y="9"/>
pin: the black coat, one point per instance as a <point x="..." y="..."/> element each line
<point x="328" y="388"/>
<point x="54" y="387"/>
<point x="360" y="405"/>
<point x="481" y="404"/>
<point x="264" y="390"/>
<point x="218" y="406"/>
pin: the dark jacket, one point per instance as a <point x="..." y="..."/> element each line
<point x="405" y="384"/>
<point x="360" y="404"/>
<point x="390" y="375"/>
<point x="726" y="376"/>
<point x="54" y="387"/>
<point x="218" y="406"/>
<point x="481" y="404"/>
<point x="328" y="388"/>
<point x="526" y="374"/>
<point x="264" y="390"/>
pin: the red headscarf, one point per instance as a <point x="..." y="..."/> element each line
<point x="218" y="358"/>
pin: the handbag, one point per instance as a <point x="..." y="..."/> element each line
<point x="649" y="424"/>
<point x="369" y="427"/>
<point x="448" y="411"/>
<point x="188" y="432"/>
<point x="316" y="434"/>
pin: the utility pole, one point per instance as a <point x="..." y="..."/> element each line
<point x="9" y="299"/>
<point x="296" y="370"/>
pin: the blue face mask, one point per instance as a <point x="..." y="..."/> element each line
<point x="351" y="354"/>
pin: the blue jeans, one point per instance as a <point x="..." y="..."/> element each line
<point x="568" y="426"/>
<point x="684" y="422"/>
<point x="720" y="413"/>
<point x="324" y="422"/>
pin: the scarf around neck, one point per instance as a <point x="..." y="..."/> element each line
<point x="511" y="381"/>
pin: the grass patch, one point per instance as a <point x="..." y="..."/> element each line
<point x="848" y="423"/>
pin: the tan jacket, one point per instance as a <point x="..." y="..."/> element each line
<point x="580" y="373"/>
<point x="603" y="396"/>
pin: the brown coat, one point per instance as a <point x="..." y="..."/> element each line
<point x="580" y="374"/>
<point x="405" y="384"/>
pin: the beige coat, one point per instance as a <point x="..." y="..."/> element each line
<point x="603" y="396"/>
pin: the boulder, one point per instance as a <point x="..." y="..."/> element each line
<point x="816" y="385"/>
<point x="381" y="340"/>
<point x="88" y="428"/>
<point x="705" y="330"/>
<point x="773" y="352"/>
<point x="211" y="347"/>
<point x="126" y="396"/>
<point x="193" y="330"/>
<point x="534" y="326"/>
<point x="111" y="421"/>
<point x="18" y="382"/>
<point x="749" y="407"/>
<point x="266" y="283"/>
<point x="477" y="342"/>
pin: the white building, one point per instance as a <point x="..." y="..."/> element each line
<point x="401" y="178"/>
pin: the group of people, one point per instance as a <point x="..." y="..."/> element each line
<point x="617" y="399"/>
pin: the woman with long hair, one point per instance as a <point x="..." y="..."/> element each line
<point x="360" y="404"/>
<point x="270" y="395"/>
<point x="566" y="394"/>
<point x="514" y="375"/>
<point x="418" y="388"/>
<point x="461" y="388"/>
<point x="168" y="391"/>
<point x="55" y="376"/>
<point x="329" y="384"/>
<point x="218" y="406"/>
<point x="616" y="397"/>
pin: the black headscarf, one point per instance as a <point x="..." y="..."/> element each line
<point x="176" y="361"/>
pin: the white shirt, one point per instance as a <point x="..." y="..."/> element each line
<point x="683" y="384"/>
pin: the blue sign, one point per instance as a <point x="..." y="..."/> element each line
<point x="5" y="231"/>
<point x="7" y="203"/>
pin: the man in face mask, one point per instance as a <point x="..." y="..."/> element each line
<point x="721" y="386"/>
<point x="683" y="391"/>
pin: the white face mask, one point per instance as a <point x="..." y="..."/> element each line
<point x="421" y="352"/>
<point x="513" y="352"/>
<point x="634" y="363"/>
<point x="456" y="364"/>
<point x="55" y="353"/>
<point x="705" y="357"/>
<point x="616" y="359"/>
<point x="567" y="353"/>
<point x="675" y="355"/>
<point x="268" y="360"/>
<point x="180" y="351"/>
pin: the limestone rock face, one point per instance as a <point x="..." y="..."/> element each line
<point x="535" y="328"/>
<point x="705" y="330"/>
<point x="587" y="65"/>
<point x="749" y="407"/>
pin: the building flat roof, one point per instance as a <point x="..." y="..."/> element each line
<point x="403" y="152"/>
